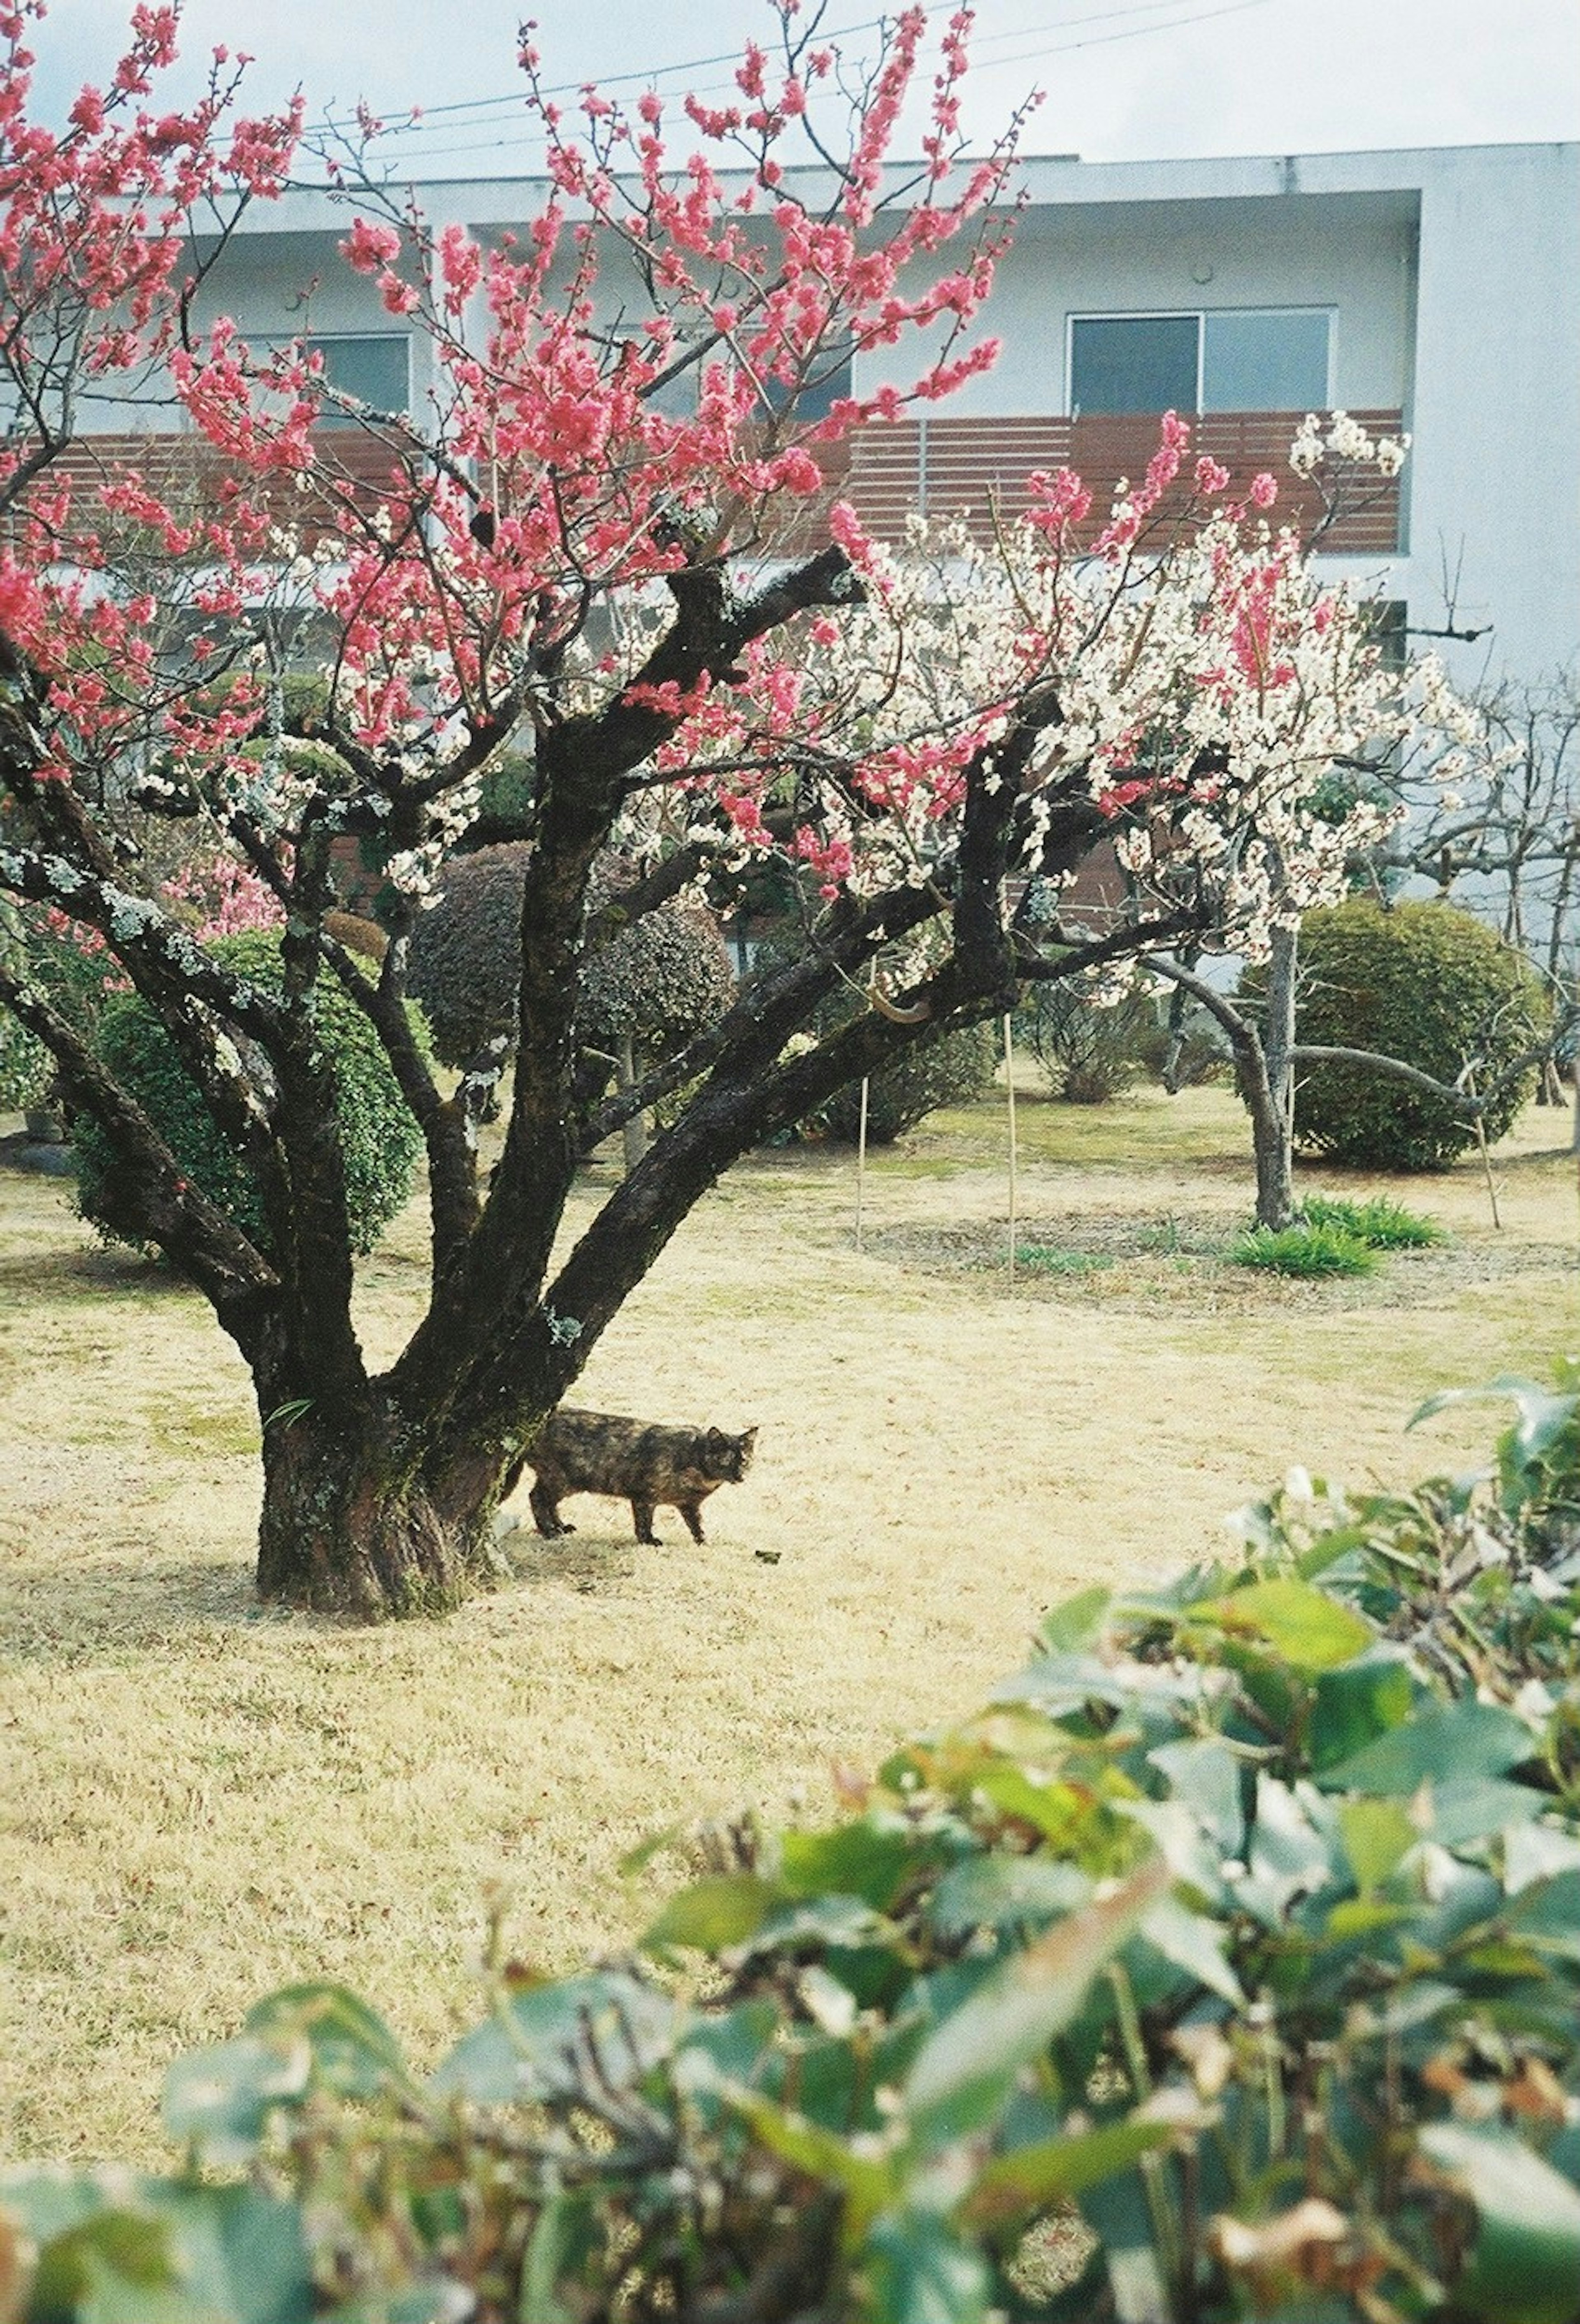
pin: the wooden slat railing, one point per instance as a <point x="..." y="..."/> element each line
<point x="946" y="467"/>
<point x="958" y="467"/>
<point x="191" y="476"/>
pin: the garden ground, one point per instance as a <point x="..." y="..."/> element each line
<point x="201" y="1800"/>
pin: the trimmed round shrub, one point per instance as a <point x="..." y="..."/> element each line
<point x="379" y="1136"/>
<point x="1427" y="983"/>
<point x="656" y="982"/>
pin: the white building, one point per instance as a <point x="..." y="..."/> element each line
<point x="1439" y="289"/>
<point x="1435" y="291"/>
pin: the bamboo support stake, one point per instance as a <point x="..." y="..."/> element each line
<point x="861" y="1164"/>
<point x="1009" y="1092"/>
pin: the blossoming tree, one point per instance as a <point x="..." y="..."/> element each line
<point x="609" y="539"/>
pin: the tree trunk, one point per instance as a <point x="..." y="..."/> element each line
<point x="1271" y="1087"/>
<point x="351" y="1526"/>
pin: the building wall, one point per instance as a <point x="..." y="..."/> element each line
<point x="1451" y="274"/>
<point x="1452" y="277"/>
<point x="1350" y="255"/>
<point x="1495" y="469"/>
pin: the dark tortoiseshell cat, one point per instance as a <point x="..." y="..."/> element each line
<point x="642" y="1464"/>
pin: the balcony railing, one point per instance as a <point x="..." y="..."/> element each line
<point x="958" y="467"/>
<point x="945" y="466"/>
<point x="192" y="478"/>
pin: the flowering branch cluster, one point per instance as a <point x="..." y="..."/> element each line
<point x="1192" y="681"/>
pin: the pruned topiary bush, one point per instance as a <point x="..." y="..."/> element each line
<point x="1244" y="1923"/>
<point x="655" y="983"/>
<point x="379" y="1136"/>
<point x="1432" y="986"/>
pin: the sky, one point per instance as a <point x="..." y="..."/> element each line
<point x="1121" y="79"/>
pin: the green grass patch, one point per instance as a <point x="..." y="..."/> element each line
<point x="1305" y="1250"/>
<point x="1049" y="1259"/>
<point x="1380" y="1224"/>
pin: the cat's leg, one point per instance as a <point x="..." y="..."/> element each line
<point x="643" y="1515"/>
<point x="544" y="1503"/>
<point x="692" y="1513"/>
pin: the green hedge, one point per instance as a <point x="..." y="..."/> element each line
<point x="657" y="983"/>
<point x="379" y="1136"/>
<point x="1427" y="983"/>
<point x="1243" y="1925"/>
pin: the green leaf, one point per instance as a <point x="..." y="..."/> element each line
<point x="1377" y="1835"/>
<point x="1537" y="1853"/>
<point x="1359" y="1916"/>
<point x="528" y="2051"/>
<point x="1481" y="1808"/>
<point x="1289" y="1856"/>
<point x="1013" y="2188"/>
<point x="117" y="2248"/>
<point x="115" y="2254"/>
<point x="1541" y="1442"/>
<point x="1205" y="1776"/>
<point x="733" y="2047"/>
<point x="1548" y="1914"/>
<point x="1457" y="1740"/>
<point x="49" y="2202"/>
<point x="1194" y="1943"/>
<point x="1069" y="1627"/>
<point x="241" y="2253"/>
<point x="222" y="2099"/>
<point x="868" y="1858"/>
<point x="1525" y="2268"/>
<point x="564" y="2235"/>
<point x="998" y="1892"/>
<point x="918" y="2272"/>
<point x="1063" y="1813"/>
<point x="1117" y="2209"/>
<point x="713" y="1914"/>
<point x="425" y="2303"/>
<point x="1310" y="1630"/>
<point x="867" y="2178"/>
<point x="1357" y="1701"/>
<point x="354" y="2052"/>
<point x="965" y="2069"/>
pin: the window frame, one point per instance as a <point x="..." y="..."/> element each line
<point x="313" y="341"/>
<point x="1198" y="315"/>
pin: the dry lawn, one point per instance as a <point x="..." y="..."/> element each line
<point x="199" y="1801"/>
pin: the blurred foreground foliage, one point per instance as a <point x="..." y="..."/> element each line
<point x="1244" y="1924"/>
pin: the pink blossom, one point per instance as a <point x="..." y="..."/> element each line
<point x="461" y="265"/>
<point x="369" y="246"/>
<point x="88" y="112"/>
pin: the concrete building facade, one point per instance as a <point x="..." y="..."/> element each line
<point x="1435" y="291"/>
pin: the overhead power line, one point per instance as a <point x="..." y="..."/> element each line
<point x="1177" y="15"/>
